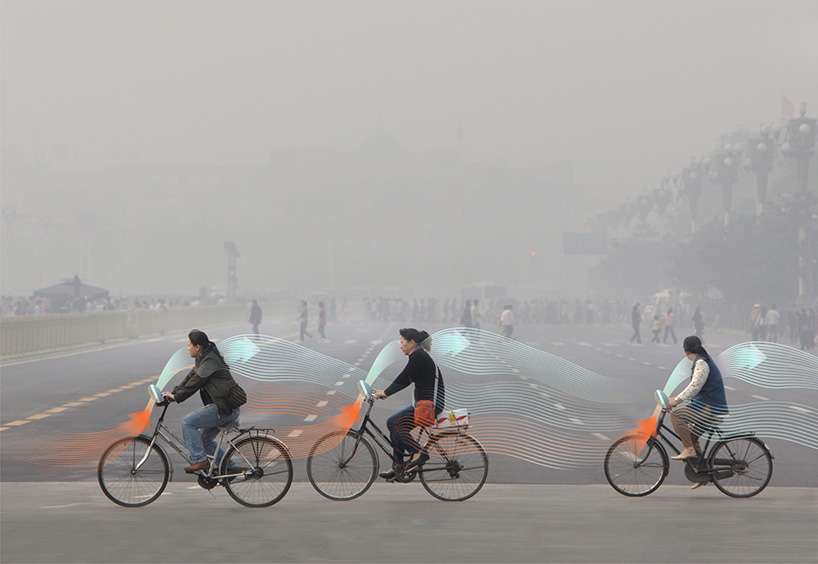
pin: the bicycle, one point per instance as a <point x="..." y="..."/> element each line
<point x="342" y="466"/>
<point x="256" y="470"/>
<point x="739" y="464"/>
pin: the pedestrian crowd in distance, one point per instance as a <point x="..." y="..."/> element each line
<point x="798" y="325"/>
<point x="23" y="306"/>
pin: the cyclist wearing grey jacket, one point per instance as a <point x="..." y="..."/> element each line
<point x="220" y="394"/>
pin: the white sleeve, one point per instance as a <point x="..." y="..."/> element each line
<point x="700" y="373"/>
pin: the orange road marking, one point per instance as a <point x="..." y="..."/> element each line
<point x="39" y="416"/>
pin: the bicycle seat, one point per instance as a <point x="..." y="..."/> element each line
<point x="232" y="426"/>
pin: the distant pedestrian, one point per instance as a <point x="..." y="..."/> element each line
<point x="669" y="326"/>
<point x="476" y="316"/>
<point x="698" y="322"/>
<point x="755" y="322"/>
<point x="636" y="320"/>
<point x="305" y="319"/>
<point x="773" y="319"/>
<point x="465" y="317"/>
<point x="507" y="322"/>
<point x="322" y="320"/>
<point x="255" y="316"/>
<point x="657" y="328"/>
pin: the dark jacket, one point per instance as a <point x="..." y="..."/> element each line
<point x="420" y="371"/>
<point x="211" y="376"/>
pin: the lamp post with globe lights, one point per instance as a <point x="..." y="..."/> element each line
<point x="760" y="153"/>
<point x="799" y="141"/>
<point x="724" y="170"/>
<point x="692" y="181"/>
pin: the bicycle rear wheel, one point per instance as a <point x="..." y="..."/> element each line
<point x="267" y="471"/>
<point x="126" y="482"/>
<point x="457" y="467"/>
<point x="743" y="466"/>
<point x="342" y="466"/>
<point x="636" y="470"/>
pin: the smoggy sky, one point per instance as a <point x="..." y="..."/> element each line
<point x="642" y="84"/>
<point x="623" y="91"/>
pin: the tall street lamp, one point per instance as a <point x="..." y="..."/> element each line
<point x="724" y="170"/>
<point x="760" y="153"/>
<point x="799" y="141"/>
<point x="692" y="181"/>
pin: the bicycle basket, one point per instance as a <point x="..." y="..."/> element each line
<point x="452" y="418"/>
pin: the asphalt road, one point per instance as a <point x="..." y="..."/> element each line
<point x="46" y="522"/>
<point x="526" y="512"/>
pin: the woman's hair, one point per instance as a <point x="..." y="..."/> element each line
<point x="199" y="338"/>
<point x="420" y="337"/>
<point x="694" y="345"/>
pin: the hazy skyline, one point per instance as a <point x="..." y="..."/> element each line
<point x="625" y="92"/>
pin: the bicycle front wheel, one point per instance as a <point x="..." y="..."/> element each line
<point x="635" y="468"/>
<point x="743" y="467"/>
<point x="342" y="466"/>
<point x="457" y="467"/>
<point x="132" y="472"/>
<point x="266" y="470"/>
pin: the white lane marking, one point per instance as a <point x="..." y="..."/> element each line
<point x="340" y="383"/>
<point x="295" y="433"/>
<point x="609" y="345"/>
<point x="558" y="344"/>
<point x="331" y="393"/>
<point x="801" y="409"/>
<point x="577" y="421"/>
<point x="646" y="363"/>
<point x="310" y="418"/>
<point x="585" y="344"/>
<point x="322" y="403"/>
<point x="350" y="342"/>
<point x="64" y="506"/>
<point x="559" y="406"/>
<point x="601" y="436"/>
<point x="729" y="388"/>
<point x="760" y="397"/>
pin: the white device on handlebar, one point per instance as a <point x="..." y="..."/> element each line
<point x="364" y="389"/>
<point x="155" y="393"/>
<point x="661" y="398"/>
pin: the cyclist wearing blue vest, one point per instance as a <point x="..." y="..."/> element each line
<point x="705" y="394"/>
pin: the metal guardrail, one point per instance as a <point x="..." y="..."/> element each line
<point x="42" y="333"/>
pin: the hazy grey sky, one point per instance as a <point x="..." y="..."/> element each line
<point x="625" y="91"/>
<point x="641" y="83"/>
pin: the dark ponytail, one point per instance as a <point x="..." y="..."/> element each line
<point x="199" y="338"/>
<point x="694" y="345"/>
<point x="419" y="337"/>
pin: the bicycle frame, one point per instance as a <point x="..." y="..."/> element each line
<point x="701" y="464"/>
<point x="364" y="429"/>
<point x="169" y="437"/>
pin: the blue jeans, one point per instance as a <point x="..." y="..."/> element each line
<point x="400" y="428"/>
<point x="199" y="429"/>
